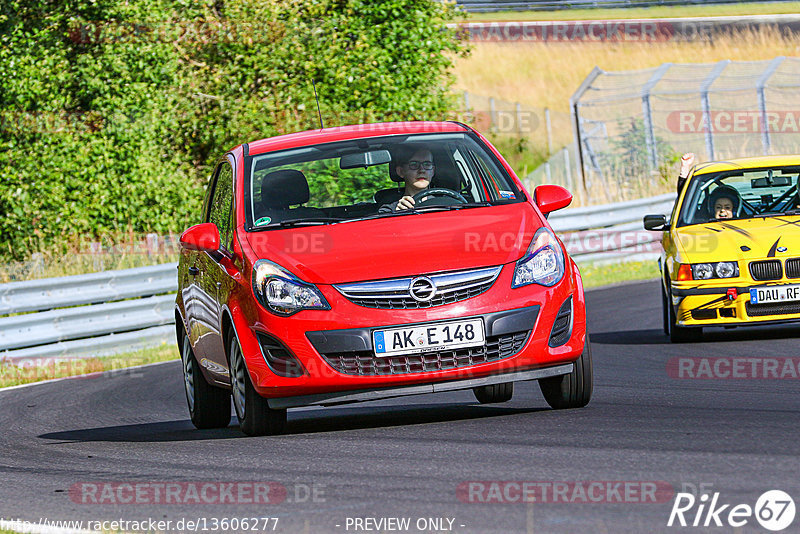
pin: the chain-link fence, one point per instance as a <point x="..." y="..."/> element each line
<point x="633" y="126"/>
<point x="526" y="136"/>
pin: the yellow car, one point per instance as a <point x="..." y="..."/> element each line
<point x="732" y="247"/>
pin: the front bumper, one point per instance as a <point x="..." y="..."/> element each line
<point x="710" y="305"/>
<point x="345" y="330"/>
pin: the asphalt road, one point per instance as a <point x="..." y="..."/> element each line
<point x="408" y="458"/>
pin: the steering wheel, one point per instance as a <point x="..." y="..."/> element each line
<point x="439" y="192"/>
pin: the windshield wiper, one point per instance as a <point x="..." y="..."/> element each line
<point x="794" y="211"/>
<point x="382" y="215"/>
<point x="307" y="221"/>
<point x="450" y="207"/>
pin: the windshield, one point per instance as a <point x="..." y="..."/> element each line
<point x="366" y="178"/>
<point x="741" y="194"/>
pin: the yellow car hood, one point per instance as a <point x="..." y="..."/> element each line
<point x="739" y="239"/>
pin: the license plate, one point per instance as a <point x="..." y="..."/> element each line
<point x="762" y="295"/>
<point x="423" y="338"/>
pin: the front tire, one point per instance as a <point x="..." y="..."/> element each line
<point x="573" y="390"/>
<point x="256" y="418"/>
<point x="494" y="393"/>
<point x="677" y="333"/>
<point x="209" y="406"/>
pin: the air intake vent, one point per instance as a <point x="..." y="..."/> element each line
<point x="766" y="270"/>
<point x="280" y="360"/>
<point x="562" y="326"/>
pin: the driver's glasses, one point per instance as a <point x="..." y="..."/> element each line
<point x="415" y="165"/>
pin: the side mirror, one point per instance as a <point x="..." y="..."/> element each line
<point x="203" y="237"/>
<point x="656" y="223"/>
<point x="551" y="197"/>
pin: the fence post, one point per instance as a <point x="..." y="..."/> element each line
<point x="715" y="72"/>
<point x="766" y="142"/>
<point x="549" y="128"/>
<point x="574" y="102"/>
<point x="647" y="112"/>
<point x="492" y="114"/>
<point x="566" y="166"/>
<point x="466" y="101"/>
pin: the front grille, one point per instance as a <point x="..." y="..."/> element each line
<point x="793" y="268"/>
<point x="561" y="326"/>
<point x="773" y="308"/>
<point x="394" y="294"/>
<point x="366" y="363"/>
<point x="766" y="270"/>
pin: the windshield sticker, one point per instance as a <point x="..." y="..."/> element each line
<point x="263" y="220"/>
<point x="506" y="194"/>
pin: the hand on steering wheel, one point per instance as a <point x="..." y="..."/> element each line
<point x="438" y="192"/>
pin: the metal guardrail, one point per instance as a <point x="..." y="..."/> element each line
<point x="611" y="233"/>
<point x="121" y="311"/>
<point x="107" y="286"/>
<point x="87" y="315"/>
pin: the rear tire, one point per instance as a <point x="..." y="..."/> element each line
<point x="573" y="390"/>
<point x="494" y="393"/>
<point x="209" y="406"/>
<point x="256" y="418"/>
<point x="677" y="333"/>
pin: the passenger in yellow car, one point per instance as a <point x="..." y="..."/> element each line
<point x="724" y="202"/>
<point x="687" y="162"/>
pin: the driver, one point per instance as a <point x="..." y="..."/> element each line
<point x="415" y="166"/>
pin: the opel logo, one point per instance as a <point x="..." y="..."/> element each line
<point x="422" y="289"/>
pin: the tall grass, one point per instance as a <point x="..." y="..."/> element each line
<point x="80" y="255"/>
<point x="546" y="75"/>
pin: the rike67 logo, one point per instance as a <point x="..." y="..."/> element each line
<point x="774" y="510"/>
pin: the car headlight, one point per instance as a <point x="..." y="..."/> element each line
<point x="722" y="269"/>
<point x="543" y="263"/>
<point x="282" y="293"/>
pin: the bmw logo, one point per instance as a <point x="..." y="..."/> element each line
<point x="782" y="249"/>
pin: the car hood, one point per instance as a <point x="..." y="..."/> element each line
<point x="406" y="245"/>
<point x="740" y="239"/>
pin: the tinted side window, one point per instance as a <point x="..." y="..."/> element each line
<point x="220" y="212"/>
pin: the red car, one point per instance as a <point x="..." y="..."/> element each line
<point x="374" y="261"/>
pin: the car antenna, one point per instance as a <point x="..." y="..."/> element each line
<point x="322" y="126"/>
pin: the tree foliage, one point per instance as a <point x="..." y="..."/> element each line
<point x="112" y="113"/>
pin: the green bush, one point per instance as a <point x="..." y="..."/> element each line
<point x="112" y="114"/>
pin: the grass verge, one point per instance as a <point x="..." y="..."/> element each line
<point x="36" y="370"/>
<point x="604" y="275"/>
<point x="729" y="10"/>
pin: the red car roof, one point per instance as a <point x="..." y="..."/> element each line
<point x="342" y="133"/>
